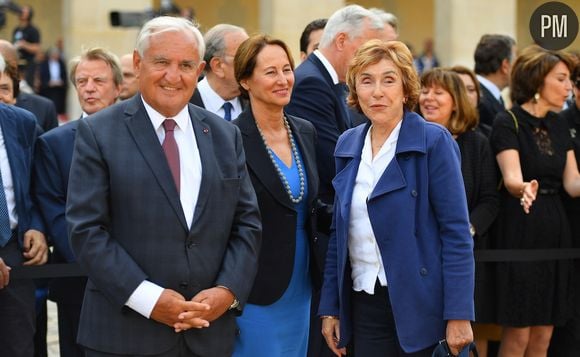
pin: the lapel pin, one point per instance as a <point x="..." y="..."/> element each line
<point x="205" y="130"/>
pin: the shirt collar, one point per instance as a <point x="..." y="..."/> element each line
<point x="367" y="153"/>
<point x="495" y="91"/>
<point x="182" y="118"/>
<point x="328" y="66"/>
<point x="211" y="100"/>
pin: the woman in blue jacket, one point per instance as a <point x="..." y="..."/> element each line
<point x="399" y="274"/>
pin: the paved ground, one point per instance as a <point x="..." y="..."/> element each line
<point x="52" y="331"/>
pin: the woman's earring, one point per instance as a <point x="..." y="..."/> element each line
<point x="536" y="97"/>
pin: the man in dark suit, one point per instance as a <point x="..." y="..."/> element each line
<point x="493" y="57"/>
<point x="130" y="85"/>
<point x="219" y="91"/>
<point x="161" y="211"/>
<point x="53" y="79"/>
<point x="319" y="96"/>
<point x="96" y="73"/>
<point x="42" y="108"/>
<point x="21" y="239"/>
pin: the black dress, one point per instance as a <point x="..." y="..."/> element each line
<point x="533" y="293"/>
<point x="480" y="178"/>
<point x="566" y="340"/>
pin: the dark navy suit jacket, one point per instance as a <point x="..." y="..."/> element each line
<point x="52" y="162"/>
<point x="418" y="212"/>
<point x="19" y="131"/>
<point x="42" y="108"/>
<point x="127" y="225"/>
<point x="488" y="108"/>
<point x="316" y="99"/>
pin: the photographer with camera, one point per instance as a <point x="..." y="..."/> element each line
<point x="26" y="38"/>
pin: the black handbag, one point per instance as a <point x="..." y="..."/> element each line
<point x="442" y="350"/>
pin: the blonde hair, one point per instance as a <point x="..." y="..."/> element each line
<point x="374" y="51"/>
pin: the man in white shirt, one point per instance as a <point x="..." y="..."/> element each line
<point x="219" y="91"/>
<point x="161" y="211"/>
<point x="493" y="57"/>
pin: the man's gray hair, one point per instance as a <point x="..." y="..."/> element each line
<point x="214" y="38"/>
<point x="97" y="54"/>
<point x="386" y="17"/>
<point x="349" y="19"/>
<point x="2" y="64"/>
<point x="165" y="24"/>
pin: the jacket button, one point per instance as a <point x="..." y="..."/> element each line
<point x="313" y="211"/>
<point x="414" y="193"/>
<point x="315" y="239"/>
<point x="183" y="285"/>
<point x="423" y="271"/>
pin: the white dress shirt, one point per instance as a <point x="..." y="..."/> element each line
<point x="494" y="90"/>
<point x="328" y="66"/>
<point x="364" y="254"/>
<point x="8" y="183"/>
<point x="214" y="103"/>
<point x="145" y="297"/>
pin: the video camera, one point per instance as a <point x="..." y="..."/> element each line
<point x="137" y="19"/>
<point x="7" y="5"/>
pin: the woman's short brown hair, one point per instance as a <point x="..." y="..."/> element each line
<point x="373" y="52"/>
<point x="247" y="53"/>
<point x="531" y="68"/>
<point x="464" y="116"/>
<point x="466" y="71"/>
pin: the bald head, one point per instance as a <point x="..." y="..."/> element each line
<point x="9" y="52"/>
<point x="130" y="84"/>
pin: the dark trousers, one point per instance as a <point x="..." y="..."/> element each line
<point x="68" y="326"/>
<point x="17" y="311"/>
<point x="374" y="333"/>
<point x="179" y="350"/>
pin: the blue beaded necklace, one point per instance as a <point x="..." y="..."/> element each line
<point x="296" y="159"/>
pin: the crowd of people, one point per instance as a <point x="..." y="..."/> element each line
<point x="222" y="201"/>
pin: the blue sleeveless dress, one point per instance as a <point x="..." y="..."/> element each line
<point x="281" y="329"/>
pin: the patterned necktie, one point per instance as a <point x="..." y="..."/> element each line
<point x="171" y="150"/>
<point x="5" y="231"/>
<point x="228" y="111"/>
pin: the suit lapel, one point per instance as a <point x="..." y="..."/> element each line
<point x="339" y="91"/>
<point x="143" y="134"/>
<point x="203" y="136"/>
<point x="259" y="161"/>
<point x="15" y="159"/>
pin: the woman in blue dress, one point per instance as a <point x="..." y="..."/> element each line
<point x="281" y="161"/>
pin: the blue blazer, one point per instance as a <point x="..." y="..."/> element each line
<point x="316" y="99"/>
<point x="418" y="212"/>
<point x="52" y="161"/>
<point x="19" y="131"/>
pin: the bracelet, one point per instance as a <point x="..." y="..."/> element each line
<point x="329" y="317"/>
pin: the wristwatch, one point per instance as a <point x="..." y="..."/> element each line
<point x="234" y="304"/>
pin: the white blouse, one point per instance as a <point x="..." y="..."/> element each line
<point x="364" y="254"/>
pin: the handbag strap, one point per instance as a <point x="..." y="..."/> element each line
<point x="515" y="119"/>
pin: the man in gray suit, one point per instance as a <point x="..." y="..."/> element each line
<point x="161" y="211"/>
